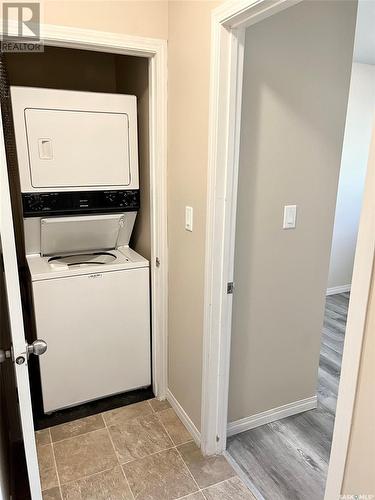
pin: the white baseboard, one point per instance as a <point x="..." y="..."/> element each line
<point x="247" y="423"/>
<point x="338" y="289"/>
<point x="184" y="417"/>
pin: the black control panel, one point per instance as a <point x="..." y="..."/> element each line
<point x="79" y="202"/>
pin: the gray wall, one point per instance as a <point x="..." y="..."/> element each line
<point x="296" y="82"/>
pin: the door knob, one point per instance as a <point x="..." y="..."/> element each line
<point x="38" y="347"/>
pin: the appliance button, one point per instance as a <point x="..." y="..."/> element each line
<point x="111" y="197"/>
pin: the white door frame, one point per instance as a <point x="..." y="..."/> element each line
<point x="355" y="328"/>
<point x="229" y="22"/>
<point x="155" y="50"/>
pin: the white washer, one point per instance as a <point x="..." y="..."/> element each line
<point x="92" y="307"/>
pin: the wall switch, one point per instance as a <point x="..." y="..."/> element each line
<point x="290" y="215"/>
<point x="189" y="218"/>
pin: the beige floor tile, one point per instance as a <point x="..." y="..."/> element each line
<point x="162" y="476"/>
<point x="76" y="427"/>
<point x="139" y="437"/>
<point x="42" y="437"/>
<point x="84" y="455"/>
<point x="233" y="489"/>
<point x="175" y="428"/>
<point x="125" y="413"/>
<point x="52" y="494"/>
<point x="159" y="405"/>
<point x="47" y="469"/>
<point x="108" y="485"/>
<point x="206" y="470"/>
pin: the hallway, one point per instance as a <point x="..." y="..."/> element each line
<point x="288" y="459"/>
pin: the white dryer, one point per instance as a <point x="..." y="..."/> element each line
<point x="91" y="305"/>
<point x="73" y="141"/>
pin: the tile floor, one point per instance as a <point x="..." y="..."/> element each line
<point x="137" y="452"/>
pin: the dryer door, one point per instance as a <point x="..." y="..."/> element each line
<point x="69" y="148"/>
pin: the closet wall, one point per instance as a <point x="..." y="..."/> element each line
<point x="84" y="70"/>
<point x="132" y="78"/>
<point x="63" y="69"/>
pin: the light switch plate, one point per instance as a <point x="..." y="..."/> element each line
<point x="290" y="216"/>
<point x="189" y="218"/>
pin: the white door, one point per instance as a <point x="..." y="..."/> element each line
<point x="16" y="325"/>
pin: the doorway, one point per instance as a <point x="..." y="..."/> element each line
<point x="221" y="257"/>
<point x="278" y="301"/>
<point x="152" y="53"/>
<point x="89" y="72"/>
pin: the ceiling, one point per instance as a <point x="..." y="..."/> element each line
<point x="364" y="46"/>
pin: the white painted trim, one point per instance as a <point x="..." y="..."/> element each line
<point x="224" y="149"/>
<point x="265" y="417"/>
<point x="158" y="204"/>
<point x="156" y="51"/>
<point x="355" y="328"/>
<point x="235" y="14"/>
<point x="13" y="299"/>
<point x="101" y="41"/>
<point x="184" y="417"/>
<point x="227" y="33"/>
<point x="338" y="289"/>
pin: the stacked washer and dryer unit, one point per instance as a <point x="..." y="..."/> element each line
<point x="78" y="166"/>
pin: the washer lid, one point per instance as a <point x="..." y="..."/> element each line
<point x="59" y="235"/>
<point x="86" y="259"/>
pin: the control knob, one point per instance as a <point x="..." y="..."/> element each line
<point x="111" y="197"/>
<point x="35" y="203"/>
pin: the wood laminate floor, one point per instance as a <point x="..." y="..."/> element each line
<point x="288" y="459"/>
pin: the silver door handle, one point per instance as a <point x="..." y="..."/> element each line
<point x="38" y="347"/>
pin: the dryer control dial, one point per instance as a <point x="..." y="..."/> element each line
<point x="80" y="202"/>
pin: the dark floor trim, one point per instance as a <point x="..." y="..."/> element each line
<point x="42" y="421"/>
